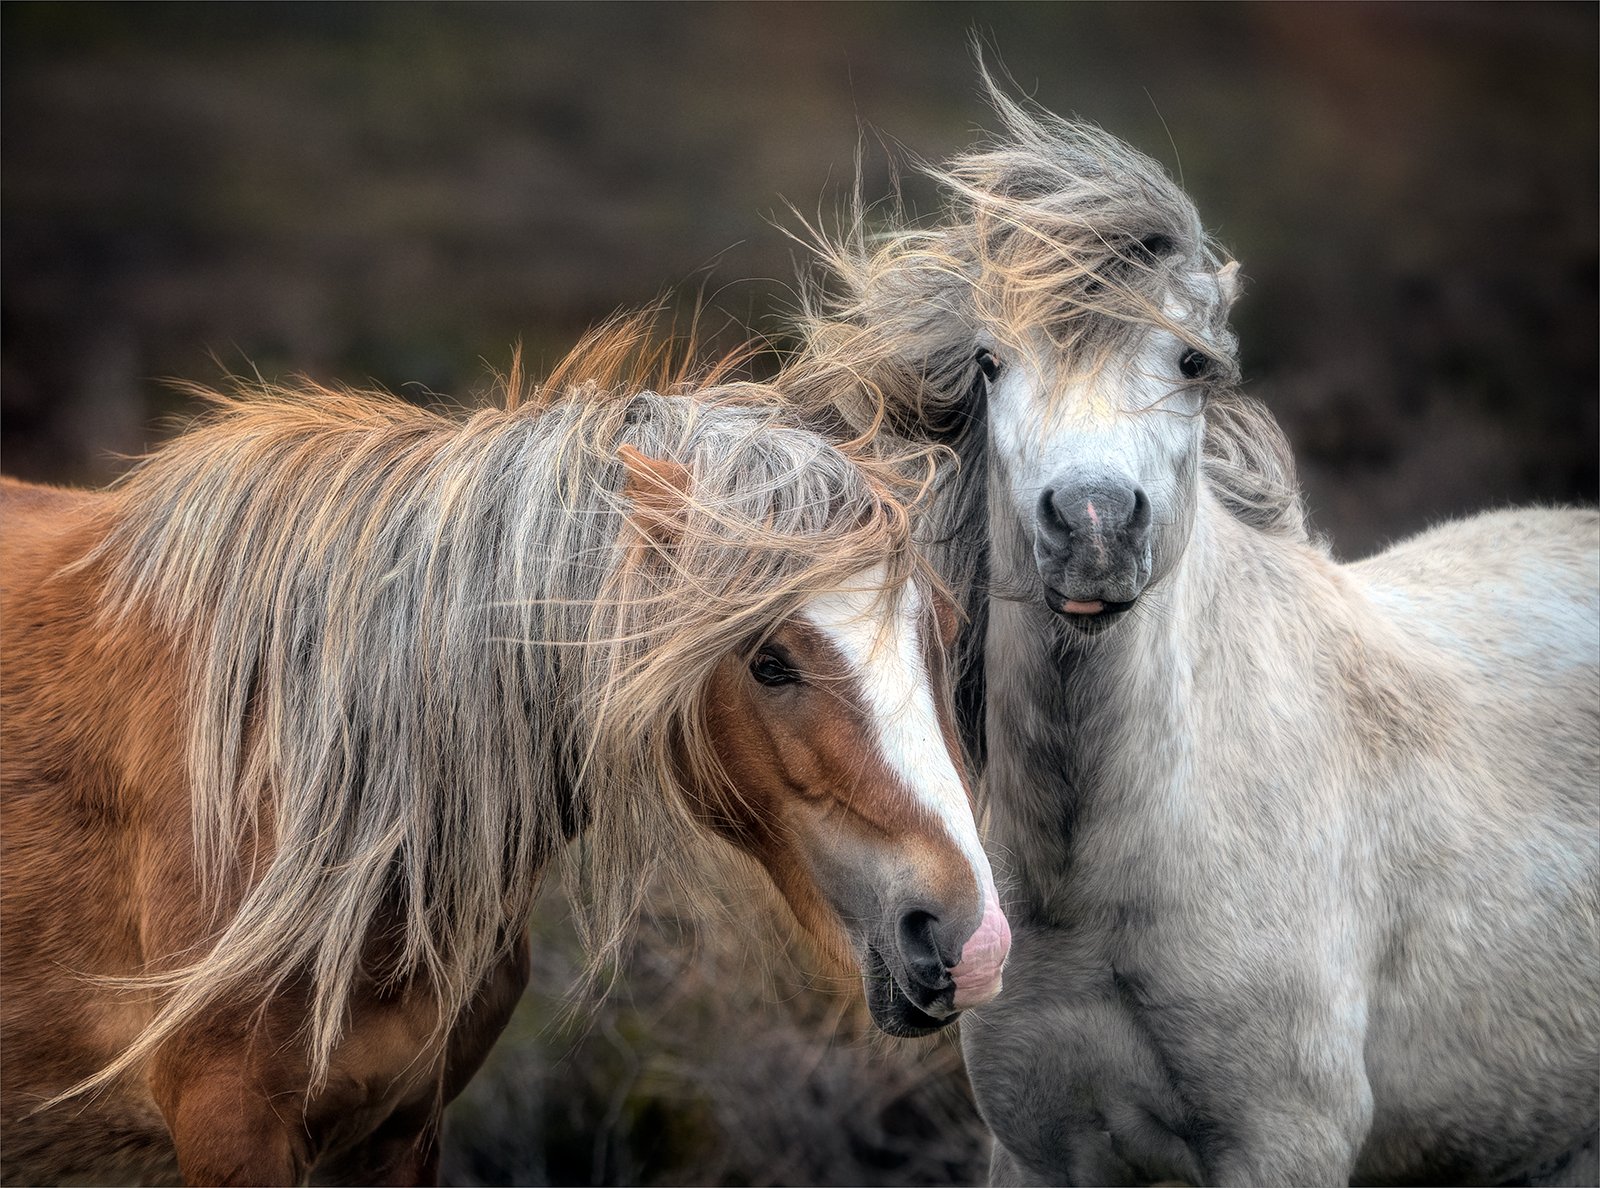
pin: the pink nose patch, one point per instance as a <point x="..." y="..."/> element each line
<point x="977" y="974"/>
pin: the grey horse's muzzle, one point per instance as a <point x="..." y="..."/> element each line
<point x="1091" y="542"/>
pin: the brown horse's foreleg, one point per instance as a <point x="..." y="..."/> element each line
<point x="402" y="1151"/>
<point x="225" y="1127"/>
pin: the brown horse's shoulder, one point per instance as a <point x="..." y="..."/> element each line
<point x="54" y="686"/>
<point x="386" y="1036"/>
<point x="92" y="751"/>
<point x="491" y="1010"/>
<point x="240" y="1071"/>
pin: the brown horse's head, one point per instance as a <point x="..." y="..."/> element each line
<point x="833" y="763"/>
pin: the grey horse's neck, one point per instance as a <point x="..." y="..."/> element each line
<point x="1087" y="729"/>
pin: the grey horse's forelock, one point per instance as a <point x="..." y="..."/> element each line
<point x="427" y="650"/>
<point x="1053" y="226"/>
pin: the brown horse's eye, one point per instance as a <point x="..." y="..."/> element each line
<point x="987" y="363"/>
<point x="1193" y="364"/>
<point x="771" y="669"/>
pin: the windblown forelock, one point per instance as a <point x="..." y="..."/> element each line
<point x="776" y="519"/>
<point x="1074" y="234"/>
<point x="1054" y="230"/>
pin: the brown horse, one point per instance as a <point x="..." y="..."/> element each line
<point x="295" y="717"/>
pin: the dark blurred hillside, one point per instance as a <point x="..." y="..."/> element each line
<point x="397" y="193"/>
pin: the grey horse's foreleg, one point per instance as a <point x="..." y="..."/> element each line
<point x="1006" y="1172"/>
<point x="1092" y="1163"/>
<point x="1579" y="1166"/>
<point x="1284" y="1147"/>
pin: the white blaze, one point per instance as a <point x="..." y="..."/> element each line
<point x="886" y="658"/>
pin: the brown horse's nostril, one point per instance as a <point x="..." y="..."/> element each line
<point x="919" y="949"/>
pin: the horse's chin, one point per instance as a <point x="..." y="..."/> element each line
<point x="891" y="1010"/>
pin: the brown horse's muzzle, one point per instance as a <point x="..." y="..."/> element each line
<point x="934" y="970"/>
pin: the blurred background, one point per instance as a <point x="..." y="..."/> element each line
<point x="396" y="194"/>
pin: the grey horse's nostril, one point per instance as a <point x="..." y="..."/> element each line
<point x="1053" y="518"/>
<point x="1139" y="521"/>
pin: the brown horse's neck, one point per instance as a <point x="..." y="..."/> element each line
<point x="92" y="711"/>
<point x="67" y="670"/>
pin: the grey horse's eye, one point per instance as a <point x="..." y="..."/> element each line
<point x="987" y="363"/>
<point x="1194" y="364"/>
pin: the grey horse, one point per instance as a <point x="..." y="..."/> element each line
<point x="1301" y="856"/>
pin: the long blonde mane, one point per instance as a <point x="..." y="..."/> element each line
<point x="429" y="647"/>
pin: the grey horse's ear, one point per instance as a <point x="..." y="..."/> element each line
<point x="658" y="489"/>
<point x="1228" y="282"/>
